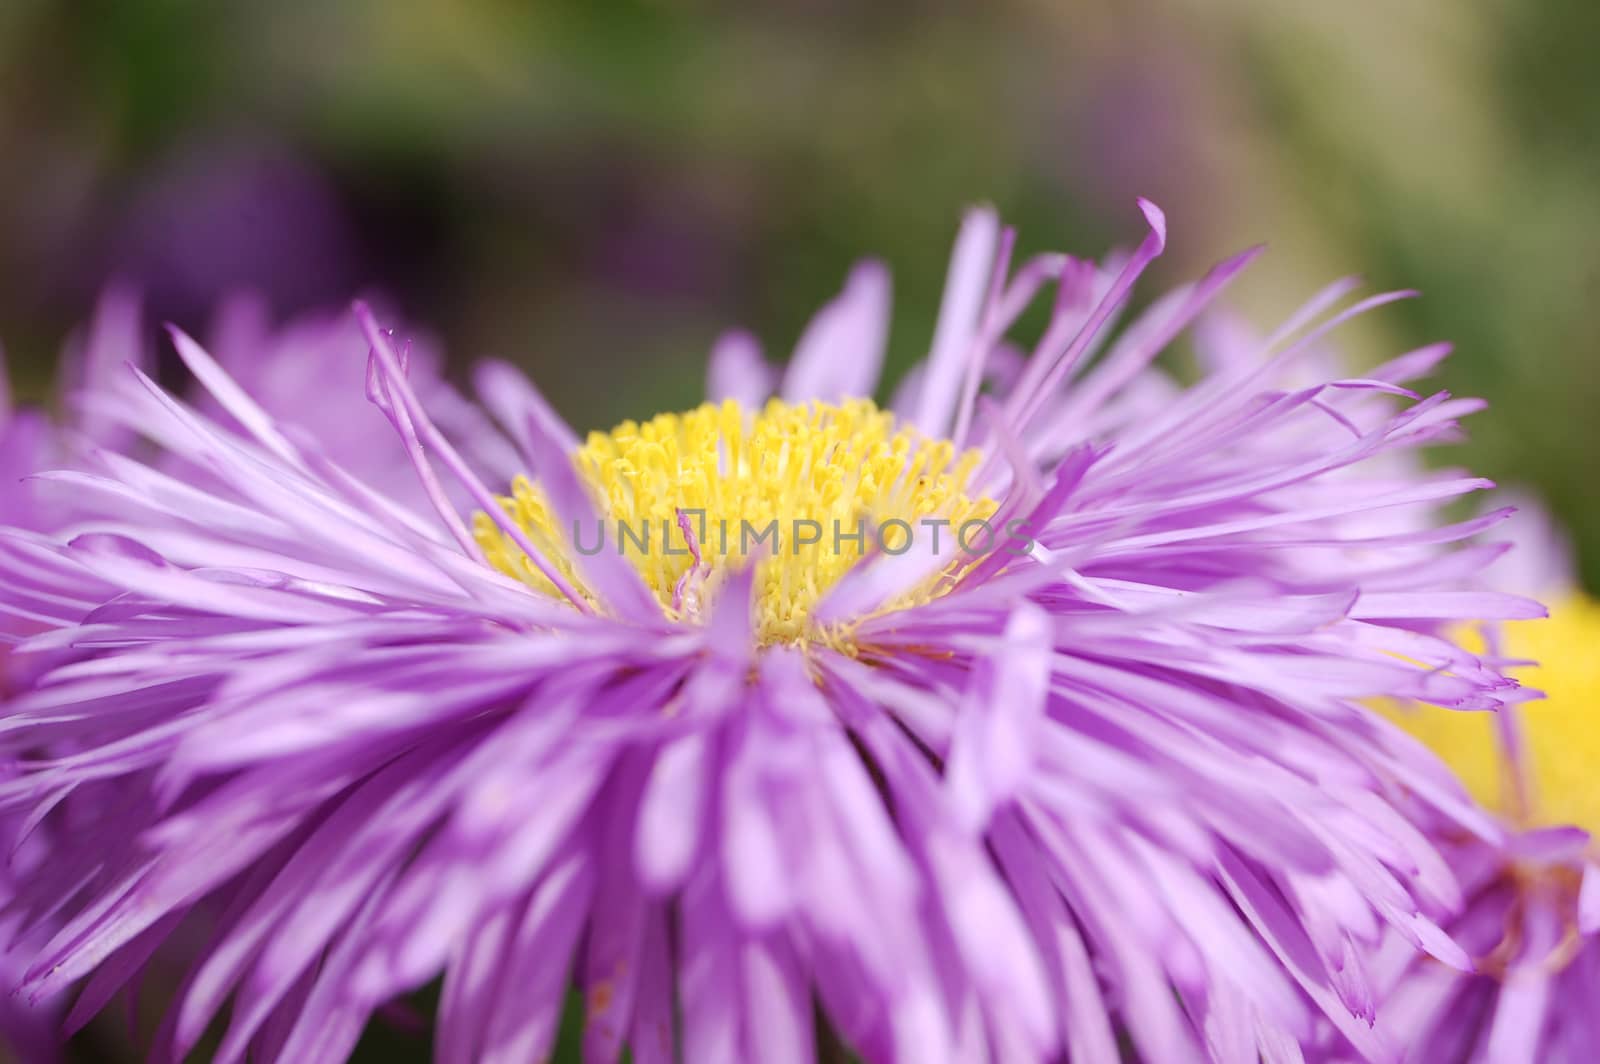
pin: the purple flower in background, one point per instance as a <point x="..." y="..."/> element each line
<point x="304" y="371"/>
<point x="31" y="441"/>
<point x="1532" y="927"/>
<point x="286" y="368"/>
<point x="1532" y="918"/>
<point x="231" y="213"/>
<point x="1106" y="776"/>
<point x="27" y="1026"/>
<point x="301" y="371"/>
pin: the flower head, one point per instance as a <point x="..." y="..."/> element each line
<point x="30" y="441"/>
<point x="1532" y="918"/>
<point x="286" y="369"/>
<point x="1107" y="776"/>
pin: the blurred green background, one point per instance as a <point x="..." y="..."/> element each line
<point x="595" y="189"/>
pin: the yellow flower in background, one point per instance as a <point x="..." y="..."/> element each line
<point x="1538" y="764"/>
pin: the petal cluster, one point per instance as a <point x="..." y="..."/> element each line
<point x="1531" y="920"/>
<point x="1531" y="924"/>
<point x="1121" y="788"/>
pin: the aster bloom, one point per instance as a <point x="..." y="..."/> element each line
<point x="1105" y="776"/>
<point x="289" y="370"/>
<point x="25" y="1029"/>
<point x="284" y="366"/>
<point x="31" y="440"/>
<point x="1532" y="916"/>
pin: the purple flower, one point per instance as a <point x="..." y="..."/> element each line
<point x="1530" y="926"/>
<point x="31" y="441"/>
<point x="221" y="213"/>
<point x="284" y="367"/>
<point x="1105" y="775"/>
<point x="1531" y="923"/>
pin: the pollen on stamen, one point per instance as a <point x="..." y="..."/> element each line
<point x="688" y="498"/>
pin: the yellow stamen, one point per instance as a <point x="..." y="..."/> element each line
<point x="1560" y="735"/>
<point x="809" y="470"/>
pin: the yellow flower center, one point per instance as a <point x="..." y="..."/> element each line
<point x="810" y="488"/>
<point x="1559" y="735"/>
